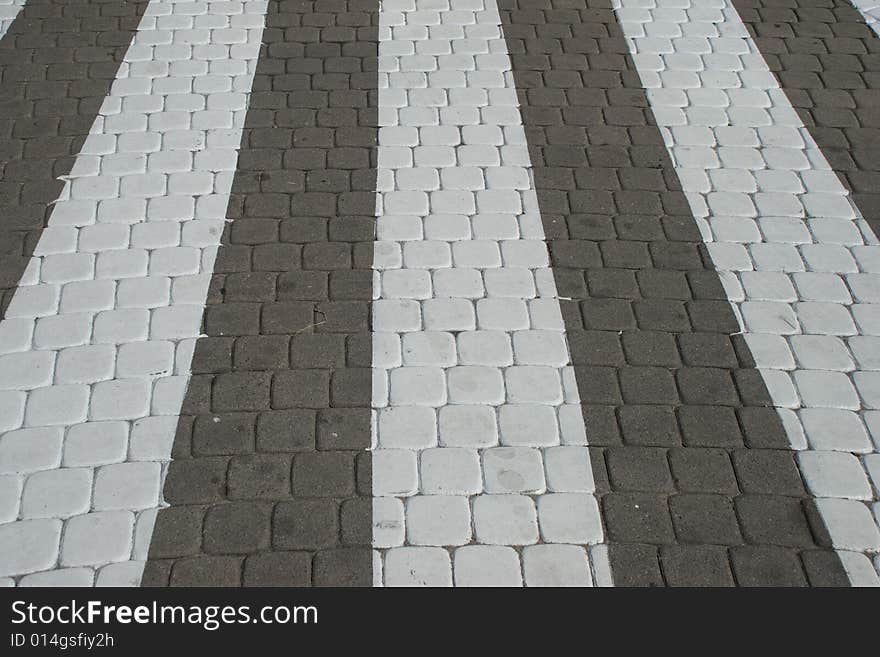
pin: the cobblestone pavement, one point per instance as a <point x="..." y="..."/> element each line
<point x="500" y="292"/>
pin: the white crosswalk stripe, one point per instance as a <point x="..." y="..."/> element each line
<point x="97" y="342"/>
<point x="480" y="442"/>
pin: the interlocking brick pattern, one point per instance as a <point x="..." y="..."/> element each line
<point x="270" y="483"/>
<point x="795" y="254"/>
<point x="481" y="472"/>
<point x="98" y="336"/>
<point x="684" y="434"/>
<point x="824" y="56"/>
<point x="601" y="286"/>
<point x="59" y="59"/>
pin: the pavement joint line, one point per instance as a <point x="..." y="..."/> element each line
<point x="98" y="338"/>
<point x="480" y="466"/>
<point x="793" y="251"/>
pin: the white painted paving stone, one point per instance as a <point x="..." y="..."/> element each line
<point x="96" y="345"/>
<point x="797" y="260"/>
<point x="487" y="565"/>
<point x="468" y="334"/>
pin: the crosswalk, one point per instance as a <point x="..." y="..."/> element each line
<point x="623" y="326"/>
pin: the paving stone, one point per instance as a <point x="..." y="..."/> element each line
<point x="486" y="565"/>
<point x="556" y="565"/>
<point x="568" y="469"/>
<point x="637" y="517"/>
<point x="305" y="525"/>
<point x="29" y="546"/>
<point x="236" y="528"/>
<point x="259" y="476"/>
<point x="177" y="533"/>
<point x="450" y="471"/>
<point x="388" y="522"/>
<point x="206" y="571"/>
<point x="649" y="425"/>
<point x="513" y="470"/>
<point x="467" y="426"/>
<point x="569" y="518"/>
<point x="704" y="519"/>
<point x="417" y="566"/>
<point x="475" y="385"/>
<point x="395" y="472"/>
<point x="505" y="520"/>
<point x="833" y="429"/>
<point x="696" y="565"/>
<point x="826" y="389"/>
<point x="97" y="538"/>
<point x="30" y="450"/>
<point x="767" y="471"/>
<point x="639" y="469"/>
<point x="55" y="493"/>
<point x="766" y="565"/>
<point x="849" y="524"/>
<point x="858" y="569"/>
<point x="63" y="577"/>
<point x="773" y="520"/>
<point x="130" y="486"/>
<point x="277" y="569"/>
<point x="635" y="564"/>
<point x="834" y="474"/>
<point x="124" y="573"/>
<point x="703" y="470"/>
<point x="438" y="520"/>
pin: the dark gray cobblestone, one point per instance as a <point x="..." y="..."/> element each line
<point x="270" y="483"/>
<point x="674" y="410"/>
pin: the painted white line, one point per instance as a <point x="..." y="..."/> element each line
<point x="479" y="440"/>
<point x="870" y="10"/>
<point x="800" y="266"/>
<point x="8" y="11"/>
<point x="96" y="345"/>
